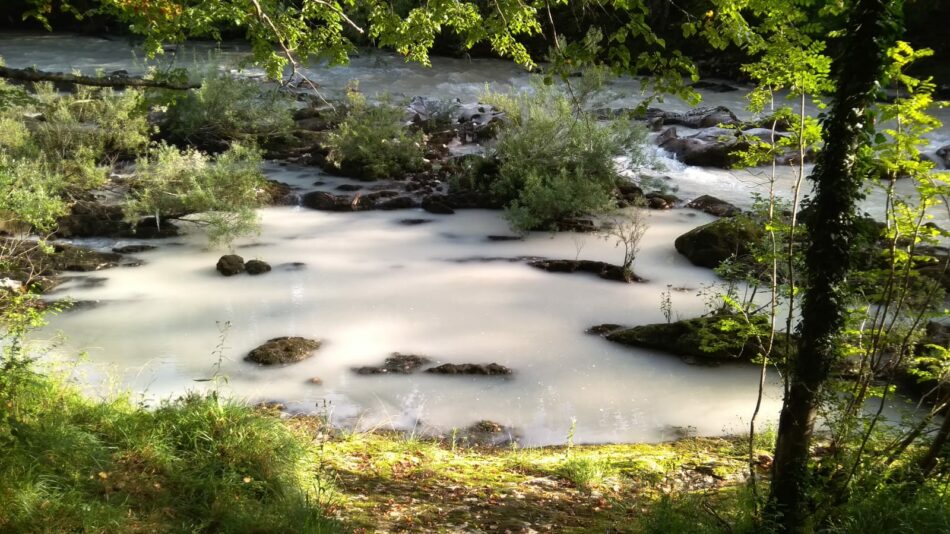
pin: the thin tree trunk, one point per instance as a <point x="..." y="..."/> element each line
<point x="831" y="229"/>
<point x="929" y="461"/>
<point x="111" y="80"/>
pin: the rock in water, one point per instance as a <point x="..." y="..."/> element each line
<point x="490" y="369"/>
<point x="403" y="364"/>
<point x="230" y="265"/>
<point x="255" y="267"/>
<point x="704" y="339"/>
<point x="713" y="206"/>
<point x="711" y="244"/>
<point x="283" y="350"/>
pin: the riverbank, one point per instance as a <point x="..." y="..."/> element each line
<point x="204" y="463"/>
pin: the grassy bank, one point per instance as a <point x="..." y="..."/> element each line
<point x="203" y="464"/>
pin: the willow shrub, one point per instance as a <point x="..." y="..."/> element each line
<point x="225" y="109"/>
<point x="219" y="193"/>
<point x="373" y="142"/>
<point x="555" y="159"/>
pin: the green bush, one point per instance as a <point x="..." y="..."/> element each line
<point x="555" y="159"/>
<point x="223" y="192"/>
<point x="373" y="143"/>
<point x="66" y="143"/>
<point x="226" y="109"/>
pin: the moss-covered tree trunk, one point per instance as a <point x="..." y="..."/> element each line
<point x="831" y="227"/>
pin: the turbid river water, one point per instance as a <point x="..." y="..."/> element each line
<point x="369" y="285"/>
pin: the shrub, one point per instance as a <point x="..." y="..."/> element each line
<point x="223" y="192"/>
<point x="226" y="109"/>
<point x="555" y="160"/>
<point x="372" y="142"/>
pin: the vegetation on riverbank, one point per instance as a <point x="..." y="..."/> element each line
<point x="201" y="462"/>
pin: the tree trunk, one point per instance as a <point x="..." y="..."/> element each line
<point x="113" y="80"/>
<point x="871" y="31"/>
<point x="929" y="461"/>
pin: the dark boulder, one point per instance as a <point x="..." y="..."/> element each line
<point x="713" y="147"/>
<point x="255" y="267"/>
<point x="397" y="203"/>
<point x="133" y="249"/>
<point x="695" y="118"/>
<point x="713" y="206"/>
<point x="88" y="218"/>
<point x="489" y="369"/>
<point x="403" y="364"/>
<point x="230" y="265"/>
<point x="711" y="244"/>
<point x="704" y="339"/>
<point x="319" y="200"/>
<point x="437" y="204"/>
<point x="661" y="201"/>
<point x="943" y="153"/>
<point x="283" y="350"/>
<point x="348" y="187"/>
<point x="607" y="271"/>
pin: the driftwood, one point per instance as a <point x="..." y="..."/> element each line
<point x="115" y="79"/>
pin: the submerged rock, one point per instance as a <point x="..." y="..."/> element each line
<point x="703" y="339"/>
<point x="489" y="369"/>
<point x="255" y="267"/>
<point x="711" y="244"/>
<point x="713" y="206"/>
<point x="230" y="265"/>
<point x="607" y="271"/>
<point x="396" y="364"/>
<point x="283" y="350"/>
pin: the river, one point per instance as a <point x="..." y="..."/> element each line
<point x="368" y="285"/>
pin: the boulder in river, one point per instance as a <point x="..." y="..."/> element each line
<point x="437" y="204"/>
<point x="711" y="244"/>
<point x="713" y="206"/>
<point x="695" y="118"/>
<point x="255" y="267"/>
<point x="943" y="153"/>
<point x="323" y="201"/>
<point x="710" y="339"/>
<point x="283" y="350"/>
<point x="487" y="369"/>
<point x="230" y="265"/>
<point x="607" y="271"/>
<point x="396" y="364"/>
<point x="712" y="147"/>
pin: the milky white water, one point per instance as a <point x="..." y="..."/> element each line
<point x="371" y="286"/>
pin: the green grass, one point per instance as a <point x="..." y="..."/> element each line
<point x="72" y="464"/>
<point x="204" y="464"/>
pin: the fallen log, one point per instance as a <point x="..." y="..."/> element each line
<point x="116" y="79"/>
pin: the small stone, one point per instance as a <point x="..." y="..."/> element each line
<point x="230" y="265"/>
<point x="317" y="381"/>
<point x="255" y="267"/>
<point x="283" y="350"/>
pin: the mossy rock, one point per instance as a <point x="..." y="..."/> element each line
<point x="711" y="339"/>
<point x="283" y="350"/>
<point x="711" y="244"/>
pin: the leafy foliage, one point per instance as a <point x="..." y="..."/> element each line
<point x="227" y="108"/>
<point x="372" y="142"/>
<point x="222" y="193"/>
<point x="555" y="159"/>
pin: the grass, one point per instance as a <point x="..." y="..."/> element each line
<point x="73" y="464"/>
<point x="204" y="464"/>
